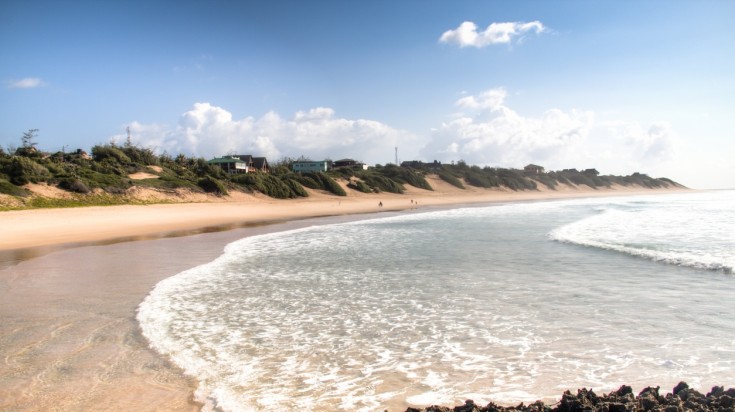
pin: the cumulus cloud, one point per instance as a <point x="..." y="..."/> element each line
<point x="210" y="131"/>
<point x="655" y="143"/>
<point x="467" y="34"/>
<point x="26" y="83"/>
<point x="486" y="132"/>
<point x="491" y="99"/>
<point x="494" y="134"/>
<point x="490" y="133"/>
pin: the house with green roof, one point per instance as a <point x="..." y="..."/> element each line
<point x="231" y="164"/>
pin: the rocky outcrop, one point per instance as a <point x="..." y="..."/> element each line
<point x="682" y="398"/>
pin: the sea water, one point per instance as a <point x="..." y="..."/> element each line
<point x="508" y="303"/>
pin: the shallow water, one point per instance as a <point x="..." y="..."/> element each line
<point x="506" y="303"/>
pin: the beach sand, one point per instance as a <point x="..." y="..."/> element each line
<point x="71" y="280"/>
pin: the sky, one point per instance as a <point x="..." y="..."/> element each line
<point x="621" y="86"/>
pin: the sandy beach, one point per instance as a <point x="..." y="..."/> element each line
<point x="71" y="280"/>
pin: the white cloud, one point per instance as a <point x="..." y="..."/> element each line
<point x="494" y="134"/>
<point x="656" y="143"/>
<point x="26" y="83"/>
<point x="489" y="133"/>
<point x="210" y="131"/>
<point x="491" y="99"/>
<point x="466" y="34"/>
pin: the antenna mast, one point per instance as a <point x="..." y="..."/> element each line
<point x="396" y="155"/>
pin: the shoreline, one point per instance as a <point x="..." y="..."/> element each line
<point x="69" y="296"/>
<point x="49" y="228"/>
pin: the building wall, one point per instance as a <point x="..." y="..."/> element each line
<point x="320" y="166"/>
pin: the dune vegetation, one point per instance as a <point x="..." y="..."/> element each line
<point x="105" y="177"/>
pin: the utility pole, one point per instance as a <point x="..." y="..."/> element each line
<point x="396" y="155"/>
<point x="128" y="142"/>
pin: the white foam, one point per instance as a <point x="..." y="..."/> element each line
<point x="361" y="315"/>
<point x="661" y="233"/>
<point x="430" y="398"/>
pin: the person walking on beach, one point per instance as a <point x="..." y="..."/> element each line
<point x="380" y="204"/>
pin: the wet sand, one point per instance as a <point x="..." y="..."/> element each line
<point x="69" y="340"/>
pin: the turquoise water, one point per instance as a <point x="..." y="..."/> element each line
<point x="506" y="303"/>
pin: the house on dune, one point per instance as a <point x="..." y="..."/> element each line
<point x="241" y="164"/>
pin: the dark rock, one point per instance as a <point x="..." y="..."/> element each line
<point x="616" y="407"/>
<point x="682" y="399"/>
<point x="716" y="391"/>
<point x="624" y="390"/>
<point x="469" y="406"/>
<point x="725" y="401"/>
<point x="680" y="387"/>
<point x="436" y="408"/>
<point x="652" y="392"/>
<point x="647" y="401"/>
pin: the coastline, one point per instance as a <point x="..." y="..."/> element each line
<point x="38" y="228"/>
<point x="69" y="337"/>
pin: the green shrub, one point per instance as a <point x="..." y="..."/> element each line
<point x="109" y="166"/>
<point x="381" y="183"/>
<point x="331" y="185"/>
<point x="295" y="186"/>
<point x="310" y="180"/>
<point x="668" y="181"/>
<point x="475" y="177"/>
<point x="8" y="188"/>
<point x="23" y="170"/>
<point x="406" y="175"/>
<point x="212" y="185"/>
<point x="319" y="181"/>
<point x="73" y="185"/>
<point x="112" y="183"/>
<point x="360" y="186"/>
<point x="513" y="179"/>
<point x="559" y="177"/>
<point x="279" y="187"/>
<point x="202" y="168"/>
<point x="251" y="181"/>
<point x="276" y="188"/>
<point x="112" y="153"/>
<point x="547" y="180"/>
<point x="451" y="179"/>
<point x="140" y="155"/>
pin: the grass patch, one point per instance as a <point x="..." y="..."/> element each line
<point x="100" y="199"/>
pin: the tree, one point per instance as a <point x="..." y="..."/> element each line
<point x="28" y="139"/>
<point x="28" y="144"/>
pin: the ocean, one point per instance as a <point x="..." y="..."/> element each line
<point x="506" y="303"/>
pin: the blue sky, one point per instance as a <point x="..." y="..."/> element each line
<point x="622" y="86"/>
